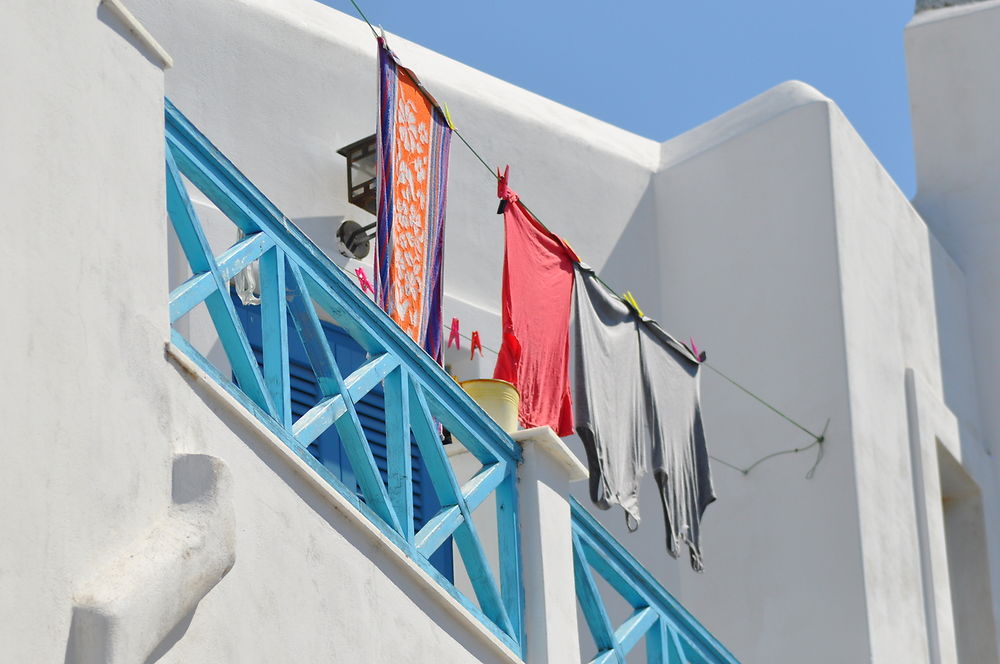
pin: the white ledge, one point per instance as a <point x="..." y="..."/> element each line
<point x="546" y="440"/>
<point x="937" y="14"/>
<point x="139" y="30"/>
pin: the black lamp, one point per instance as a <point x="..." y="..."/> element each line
<point x="361" y="166"/>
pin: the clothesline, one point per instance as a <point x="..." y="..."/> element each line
<point x="818" y="440"/>
<point x="443" y="330"/>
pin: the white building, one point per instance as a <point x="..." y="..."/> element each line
<point x="149" y="516"/>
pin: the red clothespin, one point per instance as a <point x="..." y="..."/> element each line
<point x="454" y="335"/>
<point x="476" y="344"/>
<point x="701" y="356"/>
<point x="504" y="192"/>
<point x="363" y="282"/>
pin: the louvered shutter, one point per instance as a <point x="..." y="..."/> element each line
<point x="371" y="411"/>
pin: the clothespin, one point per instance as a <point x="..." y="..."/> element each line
<point x="700" y="355"/>
<point x="476" y="344"/>
<point x="503" y="191"/>
<point x="447" y="116"/>
<point x="363" y="282"/>
<point x="630" y="301"/>
<point x="454" y="335"/>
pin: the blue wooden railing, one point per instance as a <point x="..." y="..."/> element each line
<point x="419" y="395"/>
<point x="673" y="636"/>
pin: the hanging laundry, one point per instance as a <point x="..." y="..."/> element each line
<point x="536" y="297"/>
<point x="608" y="395"/>
<point x="414" y="139"/>
<point x="671" y="385"/>
<point x="636" y="396"/>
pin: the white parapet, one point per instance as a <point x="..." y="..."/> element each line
<point x="547" y="546"/>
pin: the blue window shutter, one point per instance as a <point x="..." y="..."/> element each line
<point x="371" y="411"/>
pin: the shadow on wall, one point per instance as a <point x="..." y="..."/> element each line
<point x="79" y="651"/>
<point x="633" y="263"/>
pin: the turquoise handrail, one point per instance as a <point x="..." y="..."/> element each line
<point x="673" y="635"/>
<point x="295" y="277"/>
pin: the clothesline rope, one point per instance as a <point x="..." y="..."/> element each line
<point x="443" y="330"/>
<point x="818" y="440"/>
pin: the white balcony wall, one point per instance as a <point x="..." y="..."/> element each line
<point x="94" y="411"/>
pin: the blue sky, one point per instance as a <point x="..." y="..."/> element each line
<point x="659" y="68"/>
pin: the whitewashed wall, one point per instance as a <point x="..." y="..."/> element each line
<point x="770" y="234"/>
<point x="94" y="411"/>
<point x="955" y="90"/>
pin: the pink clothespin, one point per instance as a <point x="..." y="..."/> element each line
<point x="363" y="282"/>
<point x="476" y="343"/>
<point x="454" y="335"/>
<point x="700" y="355"/>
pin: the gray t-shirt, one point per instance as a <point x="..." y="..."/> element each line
<point x="680" y="457"/>
<point x="635" y="393"/>
<point x="607" y="394"/>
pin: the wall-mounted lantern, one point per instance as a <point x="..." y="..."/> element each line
<point x="361" y="166"/>
<point x="354" y="239"/>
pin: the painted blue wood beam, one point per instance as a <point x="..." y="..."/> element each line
<point x="347" y="493"/>
<point x="325" y="414"/>
<point x="617" y="577"/>
<point x="691" y="651"/>
<point x="462" y="427"/>
<point x="369" y="375"/>
<point x="612" y="560"/>
<point x="398" y="447"/>
<point x="312" y="334"/>
<point x="220" y="306"/>
<point x="483" y="483"/>
<point x="210" y="171"/>
<point x="466" y="538"/>
<point x="438" y="529"/>
<point x="591" y="602"/>
<point x="657" y="644"/>
<point x="319" y="418"/>
<point x="274" y="332"/>
<point x="676" y="649"/>
<point x="607" y="657"/>
<point x="189" y="294"/>
<point x="331" y="384"/>
<point x="509" y="549"/>
<point x="633" y="629"/>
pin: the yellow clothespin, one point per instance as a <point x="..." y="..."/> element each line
<point x="447" y="116"/>
<point x="630" y="301"/>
